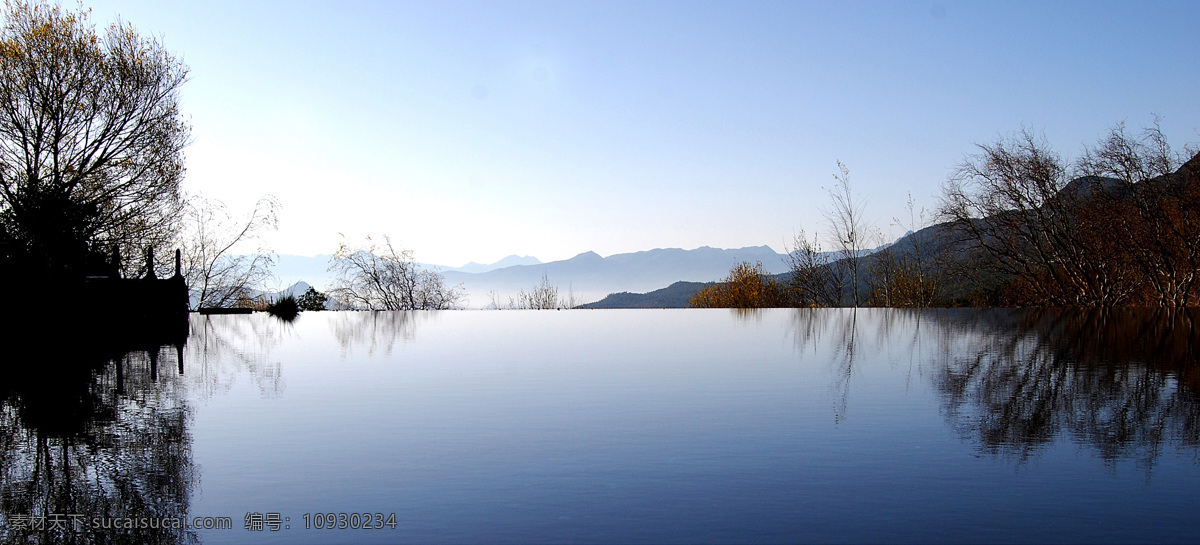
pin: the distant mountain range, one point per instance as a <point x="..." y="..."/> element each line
<point x="588" y="276"/>
<point x="509" y="261"/>
<point x="668" y="277"/>
<point x="935" y="240"/>
<point x="290" y="269"/>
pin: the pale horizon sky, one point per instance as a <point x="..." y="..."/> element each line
<point x="469" y="131"/>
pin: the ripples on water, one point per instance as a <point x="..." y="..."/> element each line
<point x="618" y="426"/>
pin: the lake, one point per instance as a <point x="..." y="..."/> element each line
<point x="606" y="426"/>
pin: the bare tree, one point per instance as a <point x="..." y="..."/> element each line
<point x="543" y="296"/>
<point x="494" y="301"/>
<point x="1153" y="200"/>
<point x="91" y="137"/>
<point x="210" y="236"/>
<point x="998" y="198"/>
<point x="1034" y="222"/>
<point x="849" y="229"/>
<point x="377" y="277"/>
<point x="814" y="281"/>
<point x="433" y="294"/>
<point x="570" y="300"/>
<point x="902" y="275"/>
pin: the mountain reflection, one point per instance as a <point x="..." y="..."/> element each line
<point x="1124" y="381"/>
<point x="94" y="432"/>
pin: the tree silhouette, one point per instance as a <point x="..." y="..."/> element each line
<point x="91" y="138"/>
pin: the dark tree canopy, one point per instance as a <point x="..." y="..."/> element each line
<point x="312" y="299"/>
<point x="91" y="138"/>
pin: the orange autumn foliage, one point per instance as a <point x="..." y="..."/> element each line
<point x="747" y="286"/>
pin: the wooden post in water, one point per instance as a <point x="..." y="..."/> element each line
<point x="120" y="375"/>
<point x="114" y="263"/>
<point x="150" y="263"/>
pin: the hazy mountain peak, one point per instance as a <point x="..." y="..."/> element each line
<point x="295" y="290"/>
<point x="507" y="261"/>
<point x="589" y="255"/>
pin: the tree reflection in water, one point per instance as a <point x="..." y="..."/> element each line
<point x="1122" y="381"/>
<point x="811" y="327"/>
<point x="376" y="331"/>
<point x="221" y="347"/>
<point x="1125" y="382"/>
<point x="90" y="431"/>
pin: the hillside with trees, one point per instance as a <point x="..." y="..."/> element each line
<point x="676" y="295"/>
<point x="1120" y="227"/>
<point x="1020" y="226"/>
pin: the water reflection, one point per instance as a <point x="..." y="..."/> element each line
<point x="659" y="420"/>
<point x="1123" y="382"/>
<point x="811" y="326"/>
<point x="376" y="332"/>
<point x="224" y="346"/>
<point x="94" y="431"/>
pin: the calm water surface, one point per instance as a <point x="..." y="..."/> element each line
<point x="626" y="426"/>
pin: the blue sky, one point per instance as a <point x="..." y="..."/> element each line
<point x="474" y="130"/>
